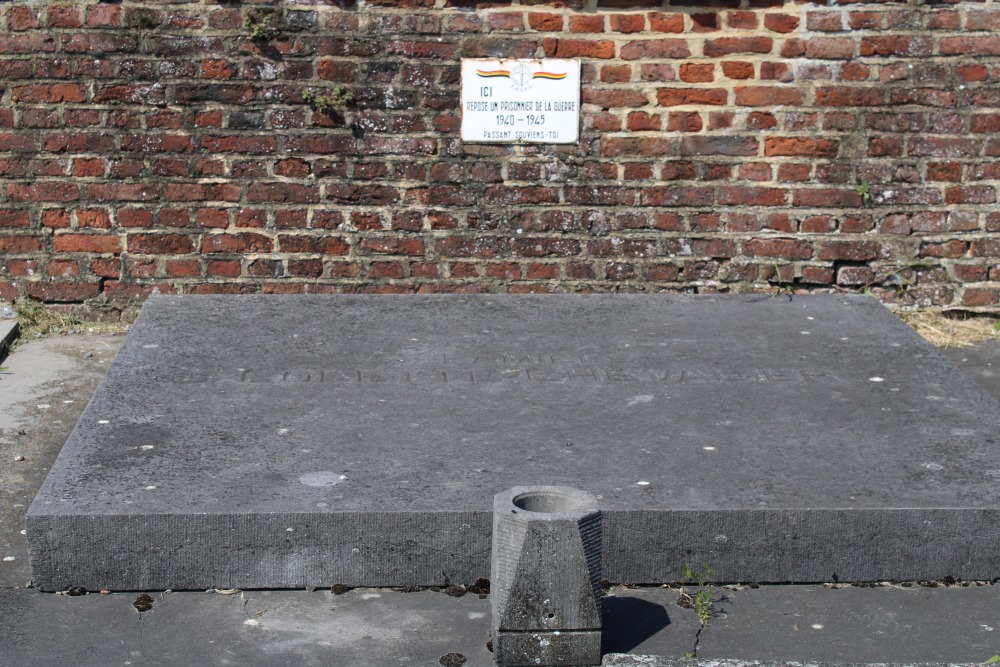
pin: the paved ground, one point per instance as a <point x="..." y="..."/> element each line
<point x="45" y="387"/>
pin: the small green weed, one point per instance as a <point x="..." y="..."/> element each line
<point x="335" y="98"/>
<point x="993" y="661"/>
<point x="780" y="284"/>
<point x="260" y="27"/>
<point x="866" y="193"/>
<point x="701" y="600"/>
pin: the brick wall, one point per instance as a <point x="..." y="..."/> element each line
<point x="726" y="145"/>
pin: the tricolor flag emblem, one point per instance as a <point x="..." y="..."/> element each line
<point x="489" y="73"/>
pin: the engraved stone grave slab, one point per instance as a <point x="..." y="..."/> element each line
<point x="286" y="441"/>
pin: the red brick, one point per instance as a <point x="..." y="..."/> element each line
<point x="458" y="246"/>
<point x="980" y="296"/>
<point x="544" y="22"/>
<point x="697" y="72"/>
<point x="752" y="196"/>
<point x="98" y="243"/>
<point x="970" y="46"/>
<point x="581" y="23"/>
<point x="640" y="120"/>
<point x="49" y="93"/>
<point x="628" y="23"/>
<point x="282" y="192"/>
<point x="668" y="97"/>
<point x="807" y="146"/>
<point x="393" y="246"/>
<point x="108" y="16"/>
<point x="579" y="48"/>
<point x="241" y="243"/>
<point x="661" y="22"/>
<point x="509" y="196"/>
<point x="506" y="22"/>
<point x="160" y="244"/>
<point x="853" y="251"/>
<point x="21" y="17"/>
<point x="43" y="192"/>
<point x="62" y="291"/>
<point x="837" y="48"/>
<point x="20" y="244"/>
<point x="725" y="46"/>
<point x="738" y="70"/>
<point x="655" y="49"/>
<point x="827" y="197"/>
<point x="783" y="23"/>
<point x="758" y="96"/>
<point x="778" y="248"/>
<point x="684" y="121"/>
<point x="988" y="247"/>
<point x="742" y="20"/>
<point x="616" y="73"/>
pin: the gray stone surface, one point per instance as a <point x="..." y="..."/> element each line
<point x="43" y="390"/>
<point x="642" y="627"/>
<point x="980" y="362"/>
<point x="899" y="624"/>
<point x="291" y="441"/>
<point x="8" y="334"/>
<point x="381" y="628"/>
<point x="545" y="577"/>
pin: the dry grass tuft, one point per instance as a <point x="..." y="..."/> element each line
<point x="944" y="329"/>
<point x="36" y="321"/>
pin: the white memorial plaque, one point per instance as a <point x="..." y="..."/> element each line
<point x="520" y="101"/>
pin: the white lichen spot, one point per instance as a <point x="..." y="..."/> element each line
<point x="146" y="447"/>
<point x="709" y="449"/>
<point x="322" y="478"/>
<point x="151" y="487"/>
<point x="103" y="421"/>
<point x="930" y="465"/>
<point x="642" y="483"/>
<point x="817" y="626"/>
<point x="876" y="379"/>
<point x="637" y="400"/>
<point x="252" y="622"/>
<point x="8" y="559"/>
<point x="371" y="596"/>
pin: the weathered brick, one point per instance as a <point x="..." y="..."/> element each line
<point x="160" y="244"/>
<point x="804" y="146"/>
<point x="725" y="46"/>
<point x="792" y="249"/>
<point x="759" y="96"/>
<point x="669" y="97"/>
<point x="244" y="242"/>
<point x="282" y="192"/>
<point x="98" y="243"/>
<point x="579" y="48"/>
<point x="655" y="49"/>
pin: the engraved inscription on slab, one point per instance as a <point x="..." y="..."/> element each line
<point x="520" y="101"/>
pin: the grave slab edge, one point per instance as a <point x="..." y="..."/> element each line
<point x="253" y="551"/>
